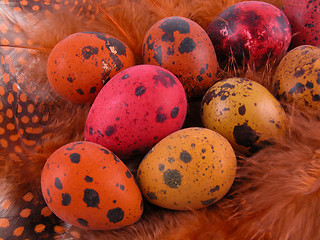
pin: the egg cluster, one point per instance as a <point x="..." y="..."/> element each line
<point x="139" y="111"/>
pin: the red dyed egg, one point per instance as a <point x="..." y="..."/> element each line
<point x="79" y="65"/>
<point x="86" y="185"/>
<point x="304" y="16"/>
<point x="251" y="32"/>
<point x="181" y="46"/>
<point x="136" y="109"/>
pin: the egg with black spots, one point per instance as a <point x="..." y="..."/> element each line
<point x="191" y="168"/>
<point x="250" y="32"/>
<point x="297" y="78"/>
<point x="182" y="46"/>
<point x="245" y="113"/>
<point x="80" y="64"/>
<point x="136" y="109"/>
<point x="88" y="186"/>
<point x="304" y="17"/>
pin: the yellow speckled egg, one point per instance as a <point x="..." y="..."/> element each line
<point x="245" y="113"/>
<point x="297" y="78"/>
<point x="189" y="169"/>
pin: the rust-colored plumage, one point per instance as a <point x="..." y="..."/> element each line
<point x="276" y="195"/>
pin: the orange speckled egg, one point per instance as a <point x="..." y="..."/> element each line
<point x="89" y="187"/>
<point x="245" y="113"/>
<point x="80" y="64"/>
<point x="297" y="78"/>
<point x="181" y="46"/>
<point x="190" y="169"/>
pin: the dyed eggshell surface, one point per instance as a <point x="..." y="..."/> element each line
<point x="89" y="187"/>
<point x="304" y="17"/>
<point x="245" y="113"/>
<point x="251" y="32"/>
<point x="297" y="78"/>
<point x="184" y="48"/>
<point x="136" y="109"/>
<point x="190" y="169"/>
<point x="79" y="65"/>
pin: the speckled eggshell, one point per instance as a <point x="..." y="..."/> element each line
<point x="250" y="32"/>
<point x="184" y="48"/>
<point x="297" y="78"/>
<point x="80" y="64"/>
<point x="245" y="113"/>
<point x="136" y="109"/>
<point x="88" y="186"/>
<point x="190" y="169"/>
<point x="304" y="17"/>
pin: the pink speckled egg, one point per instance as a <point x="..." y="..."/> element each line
<point x="304" y="16"/>
<point x="136" y="109"/>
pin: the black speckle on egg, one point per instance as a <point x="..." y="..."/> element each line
<point x="187" y="45"/>
<point x="316" y="98"/>
<point x="128" y="174"/>
<point x="88" y="179"/>
<point x="83" y="222"/>
<point x="121" y="187"/>
<point x="70" y="79"/>
<point x="93" y="90"/>
<point x="172" y="178"/>
<point x="245" y="135"/>
<point x="199" y="78"/>
<point x="88" y="51"/>
<point x="140" y="91"/>
<point x="160" y="117"/>
<point x="110" y="130"/>
<point x="125" y="76"/>
<point x="223" y="93"/>
<point x="115" y="215"/>
<point x="172" y="25"/>
<point x="105" y="151"/>
<point x="242" y="110"/>
<point x="57" y="183"/>
<point x="113" y="42"/>
<point x="66" y="199"/>
<point x="299" y="73"/>
<point x="91" y="197"/>
<point x="75" y="157"/>
<point x="216" y="188"/>
<point x="80" y="91"/>
<point x="171" y="159"/>
<point x="158" y="55"/>
<point x="174" y="112"/>
<point x="309" y="85"/>
<point x="298" y="88"/>
<point x="151" y="195"/>
<point x="185" y="157"/>
<point x="91" y="131"/>
<point x="170" y="51"/>
<point x="149" y="42"/>
<point x="165" y="78"/>
<point x="208" y="202"/>
<point x="161" y="167"/>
